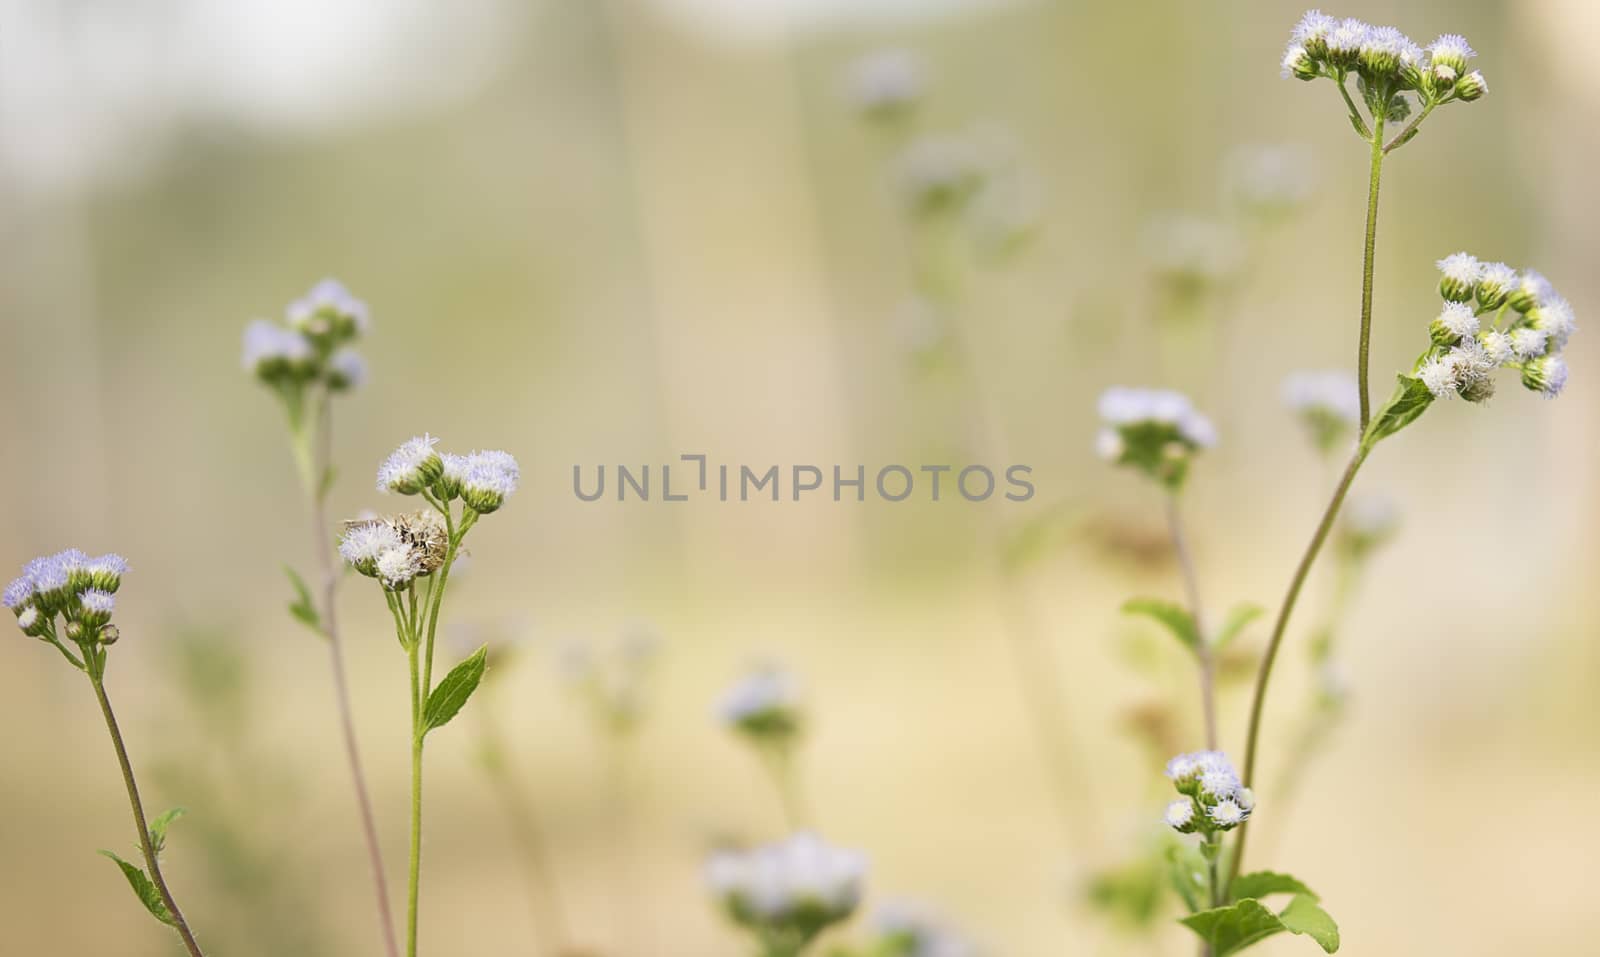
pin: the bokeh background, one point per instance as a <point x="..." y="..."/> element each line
<point x="619" y="231"/>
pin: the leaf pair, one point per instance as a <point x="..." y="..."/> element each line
<point x="1181" y="623"/>
<point x="1247" y="921"/>
<point x="448" y="697"/>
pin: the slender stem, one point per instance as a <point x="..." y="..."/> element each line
<point x="550" y="923"/>
<point x="1202" y="651"/>
<point x="1367" y="266"/>
<point x="415" y="871"/>
<point x="151" y="863"/>
<point x="313" y="466"/>
<point x="1264" y="675"/>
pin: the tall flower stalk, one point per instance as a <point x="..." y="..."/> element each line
<point x="308" y="360"/>
<point x="410" y="556"/>
<point x="68" y="599"/>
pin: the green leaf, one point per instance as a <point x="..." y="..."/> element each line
<point x="303" y="608"/>
<point x="329" y="475"/>
<point x="158" y="828"/>
<point x="1188" y="873"/>
<point x="1304" y="916"/>
<point x="446" y="700"/>
<point x="1360" y="127"/>
<point x="1228" y="930"/>
<point x="1239" y="616"/>
<point x="144" y="889"/>
<point x="1177" y="620"/>
<point x="1259" y="884"/>
<point x="1411" y="398"/>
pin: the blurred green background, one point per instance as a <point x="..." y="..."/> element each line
<point x="615" y="232"/>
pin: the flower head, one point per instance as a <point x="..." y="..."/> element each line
<point x="18" y="594"/>
<point x="1313" y="31"/>
<point x="1553" y="316"/>
<point x="364" y="542"/>
<point x="396" y="567"/>
<point x="1496" y="281"/>
<point x="273" y="353"/>
<point x="487" y="479"/>
<point x="347" y="370"/>
<point x="329" y="310"/>
<point x="1227" y="814"/>
<point x="1546" y="375"/>
<point x="764" y="704"/>
<point x="412" y="467"/>
<point x="1528" y="342"/>
<point x="1180" y="815"/>
<point x="1451" y="50"/>
<point x="887" y="83"/>
<point x="95" y="607"/>
<point x="1461" y="274"/>
<point x="1153" y="430"/>
<point x="798" y="885"/>
<point x="938" y="172"/>
<point x="1456" y="321"/>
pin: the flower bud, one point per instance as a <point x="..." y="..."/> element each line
<point x="1460" y="276"/>
<point x="1299" y="63"/>
<point x="109" y="635"/>
<point x="1455" y="321"/>
<point x="1471" y="87"/>
<point x="33" y="624"/>
<point x="1496" y="281"/>
<point x="1546" y="375"/>
<point x="75" y="630"/>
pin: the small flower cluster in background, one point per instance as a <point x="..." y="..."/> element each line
<point x="788" y="892"/>
<point x="1156" y="431"/>
<point x="313" y="343"/>
<point x="764" y="705"/>
<point x="73" y="586"/>
<point x="1529" y="326"/>
<point x="1326" y="403"/>
<point x="613" y="681"/>
<point x="1214" y="799"/>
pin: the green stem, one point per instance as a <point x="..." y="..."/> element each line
<point x="1281" y="625"/>
<point x="415" y="872"/>
<point x="151" y="863"/>
<point x="1367" y="268"/>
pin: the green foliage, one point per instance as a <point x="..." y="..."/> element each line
<point x="1186" y="870"/>
<point x="158" y="828"/>
<point x="144" y="889"/>
<point x="303" y="608"/>
<point x="1037" y="539"/>
<point x="1411" y="398"/>
<point x="1259" y="884"/>
<point x="1239" y="617"/>
<point x="1228" y="930"/>
<point x="1132" y="895"/>
<point x="1170" y="614"/>
<point x="447" y="699"/>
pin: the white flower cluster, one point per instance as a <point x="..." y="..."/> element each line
<point x="913" y="930"/>
<point x="939" y="171"/>
<point x="1270" y="181"/>
<point x="73" y="585"/>
<point x="1528" y="326"/>
<point x="395" y="549"/>
<point x="1321" y="45"/>
<point x="1190" y="254"/>
<point x="795" y="887"/>
<point x="1214" y="798"/>
<point x="312" y="343"/>
<point x="482" y="480"/>
<point x="1328" y="403"/>
<point x="887" y="83"/>
<point x="764" y="703"/>
<point x="1153" y="430"/>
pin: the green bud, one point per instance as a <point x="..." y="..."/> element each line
<point x="1472" y="86"/>
<point x="109" y="635"/>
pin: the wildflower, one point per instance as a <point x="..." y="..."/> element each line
<point x="347" y="370"/>
<point x="1327" y="402"/>
<point x="1299" y="63"/>
<point x="396" y="567"/>
<point x="364" y="542"/>
<point x="273" y="353"/>
<point x="1227" y="814"/>
<point x="1472" y="87"/>
<point x="106" y="571"/>
<point x="1498" y="346"/>
<point x="329" y="311"/>
<point x="32" y="623"/>
<point x="1180" y="815"/>
<point x="487" y="479"/>
<point x="1345" y="41"/>
<point x="17" y="594"/>
<point x="797" y="886"/>
<point x="1531" y="290"/>
<point x="764" y="704"/>
<point x="887" y="83"/>
<point x="1381" y="49"/>
<point x="1553" y="316"/>
<point x="95" y="607"/>
<point x="1455" y="322"/>
<point x="1461" y="273"/>
<point x="1155" y="431"/>
<point x="1495" y="284"/>
<point x="412" y="467"/>
<point x="1528" y="342"/>
<point x="1312" y="33"/>
<point x="1473" y="369"/>
<point x="1219" y="782"/>
<point x="1546" y="375"/>
<point x="1450" y="50"/>
<point x="67" y="583"/>
<point x="1438" y="373"/>
<point x="938" y="172"/>
<point x="1270" y="182"/>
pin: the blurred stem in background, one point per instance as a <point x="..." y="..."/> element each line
<point x="550" y="926"/>
<point x="1191" y="586"/>
<point x="312" y="440"/>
